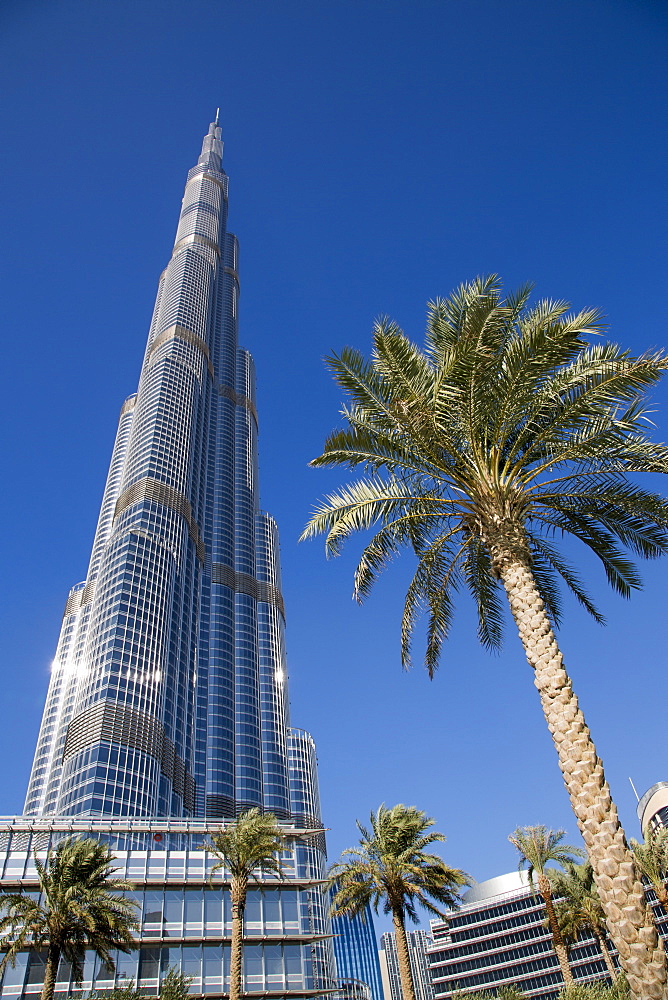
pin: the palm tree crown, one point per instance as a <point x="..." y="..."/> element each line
<point x="578" y="906"/>
<point x="505" y="433"/>
<point x="392" y="867"/>
<point x="250" y="843"/>
<point x="651" y="859"/>
<point x="79" y="908"/>
<point x="538" y="847"/>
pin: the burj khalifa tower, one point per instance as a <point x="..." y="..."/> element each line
<point x="168" y="692"/>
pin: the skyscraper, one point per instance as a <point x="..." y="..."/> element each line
<point x="356" y="952"/>
<point x="418" y="942"/>
<point x="168" y="691"/>
<point x="167" y="710"/>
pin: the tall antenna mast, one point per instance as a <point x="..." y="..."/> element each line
<point x="634" y="790"/>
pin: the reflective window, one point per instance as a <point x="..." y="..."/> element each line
<point x="212" y="963"/>
<point x="193" y="906"/>
<point x="149" y="963"/>
<point x="173" y="907"/>
<point x="191" y="960"/>
<point x="213" y="908"/>
<point x="36" y="967"/>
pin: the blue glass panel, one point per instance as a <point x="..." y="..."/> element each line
<point x="149" y="963"/>
<point x="193" y="906"/>
<point x="212" y="961"/>
<point x="191" y="960"/>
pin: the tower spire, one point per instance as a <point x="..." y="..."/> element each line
<point x="212" y="146"/>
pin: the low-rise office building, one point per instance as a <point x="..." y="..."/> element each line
<point x="498" y="938"/>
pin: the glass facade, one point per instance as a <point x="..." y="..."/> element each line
<point x="167" y="710"/>
<point x="168" y="691"/>
<point x="356" y="953"/>
<point x="185" y="914"/>
<point x="303" y="769"/>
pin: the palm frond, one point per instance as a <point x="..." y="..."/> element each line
<point x="552" y="556"/>
<point x="620" y="571"/>
<point x="446" y="317"/>
<point x="360" y="505"/>
<point x="509" y="428"/>
<point x="483" y="586"/>
<point x="437" y="575"/>
<point x="390" y="867"/>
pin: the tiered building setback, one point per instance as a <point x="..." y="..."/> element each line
<point x="168" y="692"/>
<point x="167" y="711"/>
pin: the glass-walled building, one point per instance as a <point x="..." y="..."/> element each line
<point x="419" y="940"/>
<point x="168" y="694"/>
<point x="167" y="711"/>
<point x="185" y="915"/>
<point x="356" y="953"/>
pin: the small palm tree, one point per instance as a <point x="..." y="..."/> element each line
<point x="175" y="985"/>
<point x="79" y="908"/>
<point x="651" y="860"/>
<point x="392" y="866"/>
<point x="578" y="907"/>
<point x="598" y="990"/>
<point x="507" y="432"/>
<point x="250" y="843"/>
<point x="127" y="989"/>
<point x="537" y="847"/>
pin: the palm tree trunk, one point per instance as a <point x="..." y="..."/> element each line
<point x="238" y="892"/>
<point x="403" y="956"/>
<point x="605" y="951"/>
<point x="628" y="917"/>
<point x="50" y="972"/>
<point x="557" y="939"/>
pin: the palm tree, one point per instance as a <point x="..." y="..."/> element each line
<point x="79" y="908"/>
<point x="175" y="985"/>
<point x="391" y="865"/>
<point x="250" y="843"/>
<point x="578" y="907"/>
<point x="537" y="847"/>
<point x="505" y="433"/>
<point x="651" y="860"/>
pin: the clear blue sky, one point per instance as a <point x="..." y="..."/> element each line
<point x="379" y="153"/>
